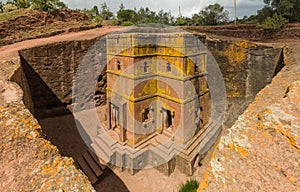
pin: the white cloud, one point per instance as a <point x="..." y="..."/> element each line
<point x="188" y="7"/>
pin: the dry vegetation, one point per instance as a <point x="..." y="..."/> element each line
<point x="23" y="24"/>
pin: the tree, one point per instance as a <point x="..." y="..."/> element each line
<point x="164" y="17"/>
<point x="95" y="10"/>
<point x="197" y="19"/>
<point x="263" y="13"/>
<point x="275" y="22"/>
<point x="126" y="15"/>
<point x="214" y="14"/>
<point x="105" y="13"/>
<point x="182" y="21"/>
<point x="1" y="7"/>
<point x="22" y="3"/>
<point x="289" y="9"/>
<point x="48" y="5"/>
<point x="145" y="15"/>
<point x="122" y="7"/>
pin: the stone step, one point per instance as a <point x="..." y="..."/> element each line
<point x="103" y="151"/>
<point x="168" y="133"/>
<point x="89" y="163"/>
<point x="96" y="159"/>
<point x="83" y="165"/>
<point x="92" y="164"/>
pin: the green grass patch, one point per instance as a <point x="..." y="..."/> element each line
<point x="189" y="186"/>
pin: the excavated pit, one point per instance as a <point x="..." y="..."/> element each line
<point x="47" y="74"/>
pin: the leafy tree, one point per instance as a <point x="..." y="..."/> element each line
<point x="197" y="19"/>
<point x="48" y="5"/>
<point x="145" y="15"/>
<point x="1" y="7"/>
<point x="164" y="17"/>
<point x="124" y="15"/>
<point x="275" y="22"/>
<point x="289" y="9"/>
<point x="95" y="10"/>
<point x="22" y="3"/>
<point x="214" y="14"/>
<point x="105" y="13"/>
<point x="263" y="13"/>
<point x="246" y="19"/>
<point x="91" y="13"/>
<point x="182" y="21"/>
<point x="122" y="7"/>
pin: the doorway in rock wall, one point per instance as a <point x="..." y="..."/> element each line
<point x="118" y="120"/>
<point x="115" y="116"/>
<point x="167" y="119"/>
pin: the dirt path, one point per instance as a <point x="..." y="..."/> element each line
<point x="10" y="51"/>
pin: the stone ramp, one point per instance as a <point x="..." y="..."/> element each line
<point x="89" y="163"/>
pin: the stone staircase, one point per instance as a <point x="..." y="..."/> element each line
<point x="89" y="163"/>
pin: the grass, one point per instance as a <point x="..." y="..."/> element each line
<point x="189" y="186"/>
<point x="13" y="14"/>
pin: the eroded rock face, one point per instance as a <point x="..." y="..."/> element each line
<point x="50" y="71"/>
<point x="28" y="162"/>
<point x="247" y="67"/>
<point x="260" y="152"/>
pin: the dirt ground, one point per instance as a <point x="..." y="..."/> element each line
<point x="147" y="180"/>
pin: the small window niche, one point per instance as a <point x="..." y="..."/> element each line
<point x="168" y="68"/>
<point x="118" y="65"/>
<point x="146" y="67"/>
<point x="146" y="115"/>
<point x="196" y="68"/>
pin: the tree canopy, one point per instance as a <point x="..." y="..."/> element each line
<point x="289" y="9"/>
<point x="214" y="14"/>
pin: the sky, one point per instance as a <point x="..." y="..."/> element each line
<point x="187" y="7"/>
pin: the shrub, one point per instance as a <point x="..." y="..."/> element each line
<point x="98" y="20"/>
<point x="9" y="7"/>
<point x="127" y="23"/>
<point x="110" y="22"/>
<point x="47" y="5"/>
<point x="189" y="186"/>
<point x="22" y="3"/>
<point x="275" y="22"/>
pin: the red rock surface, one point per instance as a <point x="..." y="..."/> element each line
<point x="261" y="152"/>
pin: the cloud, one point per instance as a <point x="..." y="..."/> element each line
<point x="187" y="7"/>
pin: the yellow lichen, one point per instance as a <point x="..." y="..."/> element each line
<point x="236" y="53"/>
<point x="242" y="151"/>
<point x="204" y="182"/>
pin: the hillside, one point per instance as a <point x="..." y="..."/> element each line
<point x="24" y="24"/>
